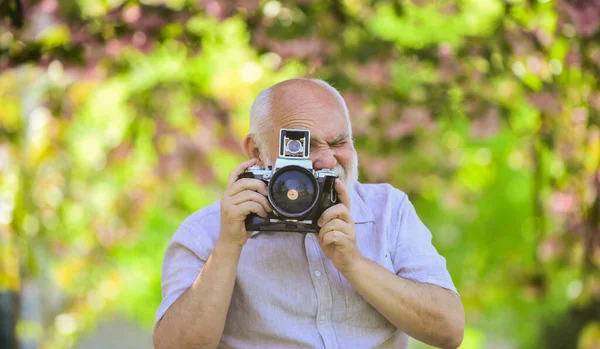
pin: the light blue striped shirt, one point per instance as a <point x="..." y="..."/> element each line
<point x="288" y="294"/>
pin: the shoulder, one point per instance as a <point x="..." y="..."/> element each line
<point x="204" y="216"/>
<point x="379" y="202"/>
<point x="202" y="226"/>
<point x="378" y="193"/>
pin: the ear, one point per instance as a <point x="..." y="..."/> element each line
<point x="251" y="149"/>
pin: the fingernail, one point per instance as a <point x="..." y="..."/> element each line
<point x="320" y="222"/>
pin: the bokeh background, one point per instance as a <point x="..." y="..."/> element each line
<point x="120" y="118"/>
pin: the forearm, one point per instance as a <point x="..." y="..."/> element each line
<point x="197" y="318"/>
<point x="425" y="312"/>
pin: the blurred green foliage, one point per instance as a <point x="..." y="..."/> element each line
<point x="120" y="118"/>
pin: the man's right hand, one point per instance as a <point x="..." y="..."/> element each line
<point x="242" y="197"/>
<point x="197" y="318"/>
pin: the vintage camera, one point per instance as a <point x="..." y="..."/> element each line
<point x="297" y="193"/>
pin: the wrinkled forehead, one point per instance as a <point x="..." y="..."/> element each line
<point x="308" y="106"/>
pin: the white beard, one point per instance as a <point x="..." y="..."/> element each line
<point x="349" y="176"/>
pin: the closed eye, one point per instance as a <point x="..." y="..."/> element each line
<point x="339" y="140"/>
<point x="337" y="144"/>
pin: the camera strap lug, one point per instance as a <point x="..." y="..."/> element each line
<point x="332" y="194"/>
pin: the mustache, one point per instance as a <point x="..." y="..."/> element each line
<point x="339" y="170"/>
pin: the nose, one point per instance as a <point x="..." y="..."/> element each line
<point x="323" y="159"/>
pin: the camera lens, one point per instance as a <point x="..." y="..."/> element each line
<point x="294" y="146"/>
<point x="293" y="191"/>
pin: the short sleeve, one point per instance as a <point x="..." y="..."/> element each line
<point x="415" y="257"/>
<point x="183" y="261"/>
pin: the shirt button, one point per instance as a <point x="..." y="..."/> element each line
<point x="317" y="273"/>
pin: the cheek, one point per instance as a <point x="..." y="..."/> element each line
<point x="344" y="156"/>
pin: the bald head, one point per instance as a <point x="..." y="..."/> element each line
<point x="291" y="97"/>
<point x="303" y="104"/>
<point x="295" y="96"/>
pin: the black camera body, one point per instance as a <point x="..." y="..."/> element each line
<point x="297" y="193"/>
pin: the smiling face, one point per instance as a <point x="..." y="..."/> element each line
<point x="304" y="104"/>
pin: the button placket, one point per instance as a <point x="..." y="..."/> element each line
<point x="323" y="290"/>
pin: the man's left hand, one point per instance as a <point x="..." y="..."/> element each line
<point x="337" y="235"/>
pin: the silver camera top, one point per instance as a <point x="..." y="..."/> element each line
<point x="260" y="172"/>
<point x="266" y="173"/>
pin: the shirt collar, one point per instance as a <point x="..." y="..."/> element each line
<point x="360" y="212"/>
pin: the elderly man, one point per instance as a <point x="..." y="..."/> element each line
<point x="369" y="278"/>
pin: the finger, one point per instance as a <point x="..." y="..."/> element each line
<point x="336" y="224"/>
<point x="247" y="207"/>
<point x="249" y="195"/>
<point x="336" y="211"/>
<point x="248" y="184"/>
<point x="342" y="193"/>
<point x="239" y="169"/>
<point x="333" y="237"/>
